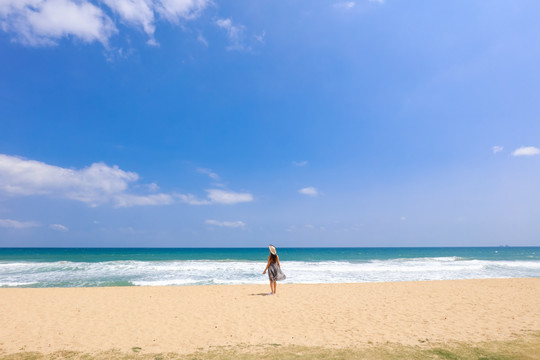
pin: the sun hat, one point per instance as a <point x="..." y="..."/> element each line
<point x="272" y="249"/>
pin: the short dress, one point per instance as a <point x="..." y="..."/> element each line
<point x="275" y="273"/>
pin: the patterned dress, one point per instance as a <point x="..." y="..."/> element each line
<point x="275" y="273"/>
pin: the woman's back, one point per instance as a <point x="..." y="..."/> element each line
<point x="274" y="269"/>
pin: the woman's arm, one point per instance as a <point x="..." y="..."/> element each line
<point x="267" y="265"/>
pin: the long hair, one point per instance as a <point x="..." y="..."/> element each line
<point x="273" y="257"/>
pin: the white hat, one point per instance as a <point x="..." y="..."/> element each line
<point x="272" y="249"/>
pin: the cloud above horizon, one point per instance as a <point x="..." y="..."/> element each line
<point x="310" y="191"/>
<point x="210" y="173"/>
<point x="300" y="163"/>
<point x="18" y="225"/>
<point x="94" y="185"/>
<point x="235" y="33"/>
<point x="229" y="224"/>
<point x="217" y="196"/>
<point x="129" y="200"/>
<point x="526" y="151"/>
<point x="344" y="5"/>
<point x="58" y="227"/>
<point x="15" y="224"/>
<point x="45" y="22"/>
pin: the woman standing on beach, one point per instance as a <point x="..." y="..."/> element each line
<point x="274" y="269"/>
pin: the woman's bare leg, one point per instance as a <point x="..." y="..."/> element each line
<point x="271" y="287"/>
<point x="274" y="286"/>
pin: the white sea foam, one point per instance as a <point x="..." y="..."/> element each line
<point x="16" y="284"/>
<point x="197" y="272"/>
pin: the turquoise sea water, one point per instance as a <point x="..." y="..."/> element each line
<point x="77" y="267"/>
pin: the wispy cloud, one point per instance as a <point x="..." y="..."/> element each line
<point x="176" y="10"/>
<point x="45" y="22"/>
<point x="128" y="200"/>
<point x="137" y="13"/>
<point x="202" y="39"/>
<point x="344" y="5"/>
<point x="217" y="196"/>
<point x="230" y="224"/>
<point x="153" y="187"/>
<point x="310" y="191"/>
<point x="300" y="163"/>
<point x="260" y="38"/>
<point x="497" y="149"/>
<point x="59" y="227"/>
<point x="526" y="151"/>
<point x="208" y="172"/>
<point x="235" y="33"/>
<point x="192" y="199"/>
<point x="14" y="224"/>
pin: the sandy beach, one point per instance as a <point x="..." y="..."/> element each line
<point x="190" y="318"/>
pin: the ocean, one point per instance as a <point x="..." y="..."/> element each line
<point x="78" y="267"/>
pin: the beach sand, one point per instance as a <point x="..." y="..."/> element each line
<point x="190" y="318"/>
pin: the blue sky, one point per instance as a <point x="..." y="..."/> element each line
<point x="300" y="123"/>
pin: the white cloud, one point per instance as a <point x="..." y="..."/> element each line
<point x="217" y="196"/>
<point x="310" y="191"/>
<point x="58" y="227"/>
<point x="344" y="5"/>
<point x="231" y="224"/>
<point x="378" y="1"/>
<point x="208" y="172"/>
<point x="202" y="39"/>
<point x="153" y="187"/>
<point x="14" y="224"/>
<point x="94" y="185"/>
<point x="526" y="151"/>
<point x="260" y="38"/>
<point x="497" y="149"/>
<point x="192" y="199"/>
<point x="128" y="200"/>
<point x="175" y="10"/>
<point x="300" y="163"/>
<point x="45" y="22"/>
<point x="235" y="33"/>
<point x="135" y="13"/>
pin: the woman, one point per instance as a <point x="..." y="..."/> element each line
<point x="274" y="269"/>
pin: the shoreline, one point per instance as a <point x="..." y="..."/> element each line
<point x="259" y="284"/>
<point x="186" y="319"/>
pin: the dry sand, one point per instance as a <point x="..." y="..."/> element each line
<point x="185" y="319"/>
